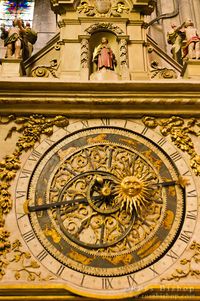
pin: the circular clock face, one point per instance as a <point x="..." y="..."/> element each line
<point x="106" y="206"/>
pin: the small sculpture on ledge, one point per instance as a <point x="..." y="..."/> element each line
<point x="185" y="42"/>
<point x="175" y="37"/>
<point x="12" y="39"/>
<point x="18" y="40"/>
<point x="191" y="48"/>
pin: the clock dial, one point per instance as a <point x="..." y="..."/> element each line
<point x="106" y="205"/>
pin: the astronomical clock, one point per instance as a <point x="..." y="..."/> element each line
<point x="100" y="162"/>
<point x="104" y="208"/>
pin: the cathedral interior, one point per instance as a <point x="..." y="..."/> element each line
<point x="100" y="151"/>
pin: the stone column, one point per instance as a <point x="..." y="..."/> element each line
<point x="44" y="22"/>
<point x="123" y="56"/>
<point x="137" y="51"/>
<point x="84" y="72"/>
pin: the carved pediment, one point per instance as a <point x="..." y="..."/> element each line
<point x="105" y="8"/>
<point x="108" y="8"/>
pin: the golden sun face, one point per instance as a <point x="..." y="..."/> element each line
<point x="133" y="193"/>
<point x="131" y="186"/>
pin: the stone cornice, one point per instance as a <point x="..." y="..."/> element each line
<point x="93" y="99"/>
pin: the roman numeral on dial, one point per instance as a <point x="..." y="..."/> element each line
<point x="107" y="283"/>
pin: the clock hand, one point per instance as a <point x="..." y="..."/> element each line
<point x="181" y="181"/>
<point x="28" y="209"/>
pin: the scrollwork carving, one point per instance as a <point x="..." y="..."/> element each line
<point x="109" y="26"/>
<point x="31" y="128"/>
<point x="188" y="265"/>
<point x="104" y="8"/>
<point x="119" y="8"/>
<point x="162" y="72"/>
<point x="86" y="9"/>
<point x="179" y="132"/>
<point x="46" y="71"/>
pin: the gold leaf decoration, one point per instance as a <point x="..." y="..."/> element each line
<point x="30" y="128"/>
<point x="180" y="133"/>
<point x="188" y="265"/>
<point x="29" y="267"/>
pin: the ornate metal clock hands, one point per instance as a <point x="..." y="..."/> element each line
<point x="28" y="209"/>
<point x="183" y="182"/>
<point x="103" y="194"/>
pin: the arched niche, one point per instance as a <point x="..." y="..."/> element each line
<point x="117" y="40"/>
<point x="95" y="40"/>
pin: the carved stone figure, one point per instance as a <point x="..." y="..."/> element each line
<point x="18" y="39"/>
<point x="103" y="55"/>
<point x="175" y="37"/>
<point x="31" y="37"/>
<point x="12" y="39"/>
<point x="191" y="49"/>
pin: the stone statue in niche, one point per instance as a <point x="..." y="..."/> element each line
<point x="191" y="47"/>
<point x="103" y="56"/>
<point x="18" y="39"/>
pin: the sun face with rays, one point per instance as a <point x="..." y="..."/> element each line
<point x="132" y="193"/>
<point x="134" y="188"/>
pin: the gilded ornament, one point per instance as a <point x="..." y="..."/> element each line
<point x="53" y="234"/>
<point x="105" y="8"/>
<point x="80" y="258"/>
<point x="169" y="218"/>
<point x="28" y="265"/>
<point x="97" y="139"/>
<point x="119" y="8"/>
<point x="180" y="133"/>
<point x="86" y="8"/>
<point x="126" y="259"/>
<point x="31" y="128"/>
<point x="187" y="265"/>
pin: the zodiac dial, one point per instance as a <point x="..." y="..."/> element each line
<point x="104" y="203"/>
